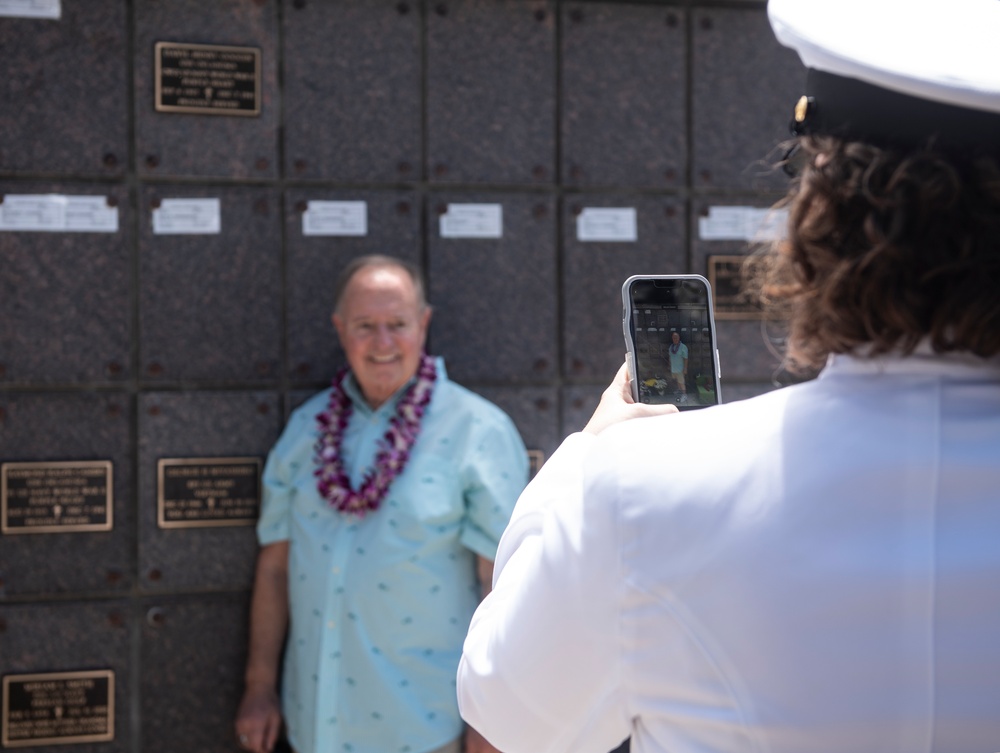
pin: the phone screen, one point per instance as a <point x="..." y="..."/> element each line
<point x="670" y="332"/>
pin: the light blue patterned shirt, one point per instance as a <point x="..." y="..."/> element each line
<point x="380" y="606"/>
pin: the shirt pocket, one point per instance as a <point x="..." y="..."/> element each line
<point x="427" y="499"/>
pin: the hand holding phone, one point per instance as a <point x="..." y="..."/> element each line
<point x="669" y="327"/>
<point x="617" y="405"/>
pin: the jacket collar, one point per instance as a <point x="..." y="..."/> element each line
<point x="922" y="362"/>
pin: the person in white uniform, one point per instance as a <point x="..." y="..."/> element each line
<point x="818" y="568"/>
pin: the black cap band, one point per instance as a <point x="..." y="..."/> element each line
<point x="853" y="110"/>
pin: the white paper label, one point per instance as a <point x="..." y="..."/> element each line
<point x="90" y="214"/>
<point x="187" y="217"/>
<point x="607" y="224"/>
<point x="335" y="218"/>
<point x="743" y="224"/>
<point x="472" y="221"/>
<point x="55" y="213"/>
<point x="31" y="9"/>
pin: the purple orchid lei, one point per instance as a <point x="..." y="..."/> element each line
<point x="394" y="448"/>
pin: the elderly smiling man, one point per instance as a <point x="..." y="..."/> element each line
<point x="384" y="500"/>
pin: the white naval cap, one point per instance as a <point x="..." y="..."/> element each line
<point x="897" y="72"/>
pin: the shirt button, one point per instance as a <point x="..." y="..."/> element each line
<point x="336" y="571"/>
<point x="331" y="624"/>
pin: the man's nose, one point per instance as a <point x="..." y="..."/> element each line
<point x="383" y="336"/>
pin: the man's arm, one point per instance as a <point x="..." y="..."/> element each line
<point x="258" y="720"/>
<point x="484" y="571"/>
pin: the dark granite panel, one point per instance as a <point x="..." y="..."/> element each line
<point x="579" y="404"/>
<point x="193" y="653"/>
<point x="748" y="348"/>
<point x="58" y="427"/>
<point x="199" y="425"/>
<point x="744" y="87"/>
<point x="495" y="309"/>
<point x="534" y="410"/>
<point x="352" y="90"/>
<point x="491" y="73"/>
<point x="624" y="69"/>
<point x="65" y="300"/>
<point x="593" y="273"/>
<point x="295" y="398"/>
<point x="64" y="87"/>
<point x="210" y="305"/>
<point x="180" y="144"/>
<point x="314" y="264"/>
<point x="71" y="637"/>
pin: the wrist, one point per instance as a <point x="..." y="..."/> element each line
<point x="260" y="681"/>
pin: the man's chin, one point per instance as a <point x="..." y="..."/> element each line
<point x="386" y="372"/>
<point x="379" y="387"/>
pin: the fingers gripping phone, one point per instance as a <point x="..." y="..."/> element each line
<point x="669" y="326"/>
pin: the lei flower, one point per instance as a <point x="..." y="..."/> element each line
<point x="394" y="447"/>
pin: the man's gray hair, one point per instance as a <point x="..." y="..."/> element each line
<point x="378" y="260"/>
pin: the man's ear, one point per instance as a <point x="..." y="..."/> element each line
<point x="338" y="326"/>
<point x="425" y="321"/>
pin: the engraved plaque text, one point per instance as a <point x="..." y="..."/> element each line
<point x="202" y="492"/>
<point x="56" y="497"/>
<point x="207" y="79"/>
<point x="58" y="707"/>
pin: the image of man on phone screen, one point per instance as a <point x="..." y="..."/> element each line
<point x="678" y="352"/>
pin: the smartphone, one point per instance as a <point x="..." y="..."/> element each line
<point x="669" y="326"/>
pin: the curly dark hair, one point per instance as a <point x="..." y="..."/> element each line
<point x="885" y="248"/>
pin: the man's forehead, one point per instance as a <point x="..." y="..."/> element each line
<point x="381" y="276"/>
<point x="381" y="281"/>
<point x="382" y="291"/>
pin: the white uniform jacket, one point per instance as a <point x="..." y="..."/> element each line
<point x="815" y="569"/>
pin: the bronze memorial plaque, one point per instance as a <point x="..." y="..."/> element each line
<point x="207" y="79"/>
<point x="731" y="300"/>
<point x="58" y="707"/>
<point x="203" y="492"/>
<point x="56" y="497"/>
<point x="535" y="460"/>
